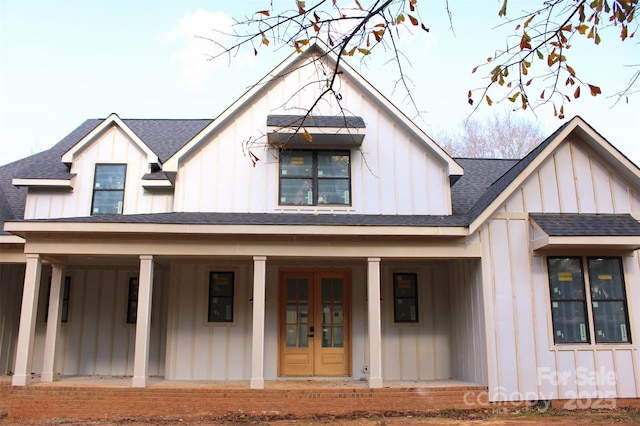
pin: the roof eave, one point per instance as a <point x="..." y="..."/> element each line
<point x="24" y="228"/>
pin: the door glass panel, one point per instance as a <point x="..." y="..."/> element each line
<point x="292" y="289"/>
<point x="338" y="337"/>
<point x="326" y="337"/>
<point x="338" y="314"/>
<point x="303" y="338"/>
<point x="332" y="313"/>
<point x="326" y="313"/>
<point x="304" y="314"/>
<point x="291" y="336"/>
<point x="297" y="318"/>
<point x="326" y="289"/>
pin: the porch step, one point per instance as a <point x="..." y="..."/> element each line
<point x="41" y="401"/>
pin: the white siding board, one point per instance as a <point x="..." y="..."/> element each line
<point x="515" y="204"/>
<point x="546" y="358"/>
<point x="567" y="380"/>
<point x="104" y="332"/>
<point x="549" y="188"/>
<point x="602" y="187"/>
<point x="521" y="287"/>
<point x="586" y="380"/>
<point x="622" y="197"/>
<point x="504" y="306"/>
<point x="625" y="381"/>
<point x="418" y="179"/>
<point x="585" y="188"/>
<point x="442" y="352"/>
<point x="604" y="373"/>
<point x="565" y="180"/>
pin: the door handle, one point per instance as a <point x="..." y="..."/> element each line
<point x="310" y="332"/>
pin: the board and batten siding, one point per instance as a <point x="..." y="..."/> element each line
<point x="422" y="350"/>
<point x="524" y="363"/>
<point x="466" y="307"/>
<point x="96" y="340"/>
<point x="392" y="172"/>
<point x="112" y="146"/>
<point x="197" y="349"/>
<point x="11" y="284"/>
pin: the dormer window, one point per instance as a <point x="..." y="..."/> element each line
<point x="315" y="177"/>
<point x="108" y="189"/>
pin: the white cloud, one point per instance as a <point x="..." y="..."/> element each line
<point x="194" y="35"/>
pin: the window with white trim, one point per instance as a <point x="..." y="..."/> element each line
<point x="581" y="296"/>
<point x="108" y="189"/>
<point x="315" y="177"/>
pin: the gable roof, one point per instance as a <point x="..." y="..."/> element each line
<point x="159" y="139"/>
<point x="502" y="188"/>
<point x="323" y="51"/>
<point x="162" y="136"/>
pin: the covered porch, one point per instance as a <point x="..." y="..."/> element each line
<point x="172" y="340"/>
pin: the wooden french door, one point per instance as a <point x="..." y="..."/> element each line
<point x="314" y="330"/>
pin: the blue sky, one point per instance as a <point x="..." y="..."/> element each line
<point x="62" y="62"/>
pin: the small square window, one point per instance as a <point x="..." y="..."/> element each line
<point x="221" y="292"/>
<point x="405" y="297"/>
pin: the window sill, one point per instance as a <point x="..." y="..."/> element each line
<point x="592" y="346"/>
<point x="318" y="209"/>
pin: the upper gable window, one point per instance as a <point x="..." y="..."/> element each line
<point x="315" y="177"/>
<point x="108" y="189"/>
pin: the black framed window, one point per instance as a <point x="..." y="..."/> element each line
<point x="608" y="300"/>
<point x="221" y="291"/>
<point x="108" y="189"/>
<point x="65" y="300"/>
<point x="570" y="311"/>
<point x="405" y="297"/>
<point x="132" y="300"/>
<point x="315" y="177"/>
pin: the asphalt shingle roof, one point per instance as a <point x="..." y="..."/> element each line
<point x="207" y="218"/>
<point x="587" y="225"/>
<point x="315" y="121"/>
<point x="483" y="181"/>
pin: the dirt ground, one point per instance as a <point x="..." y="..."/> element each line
<point x="621" y="416"/>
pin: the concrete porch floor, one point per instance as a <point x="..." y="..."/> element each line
<point x="280" y="383"/>
<point x="99" y="397"/>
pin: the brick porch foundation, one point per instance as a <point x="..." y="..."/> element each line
<point x="41" y="401"/>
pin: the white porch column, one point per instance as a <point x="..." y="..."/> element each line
<point x="143" y="323"/>
<point x="26" y="333"/>
<point x="375" y="329"/>
<point x="53" y="323"/>
<point x="257" y="341"/>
